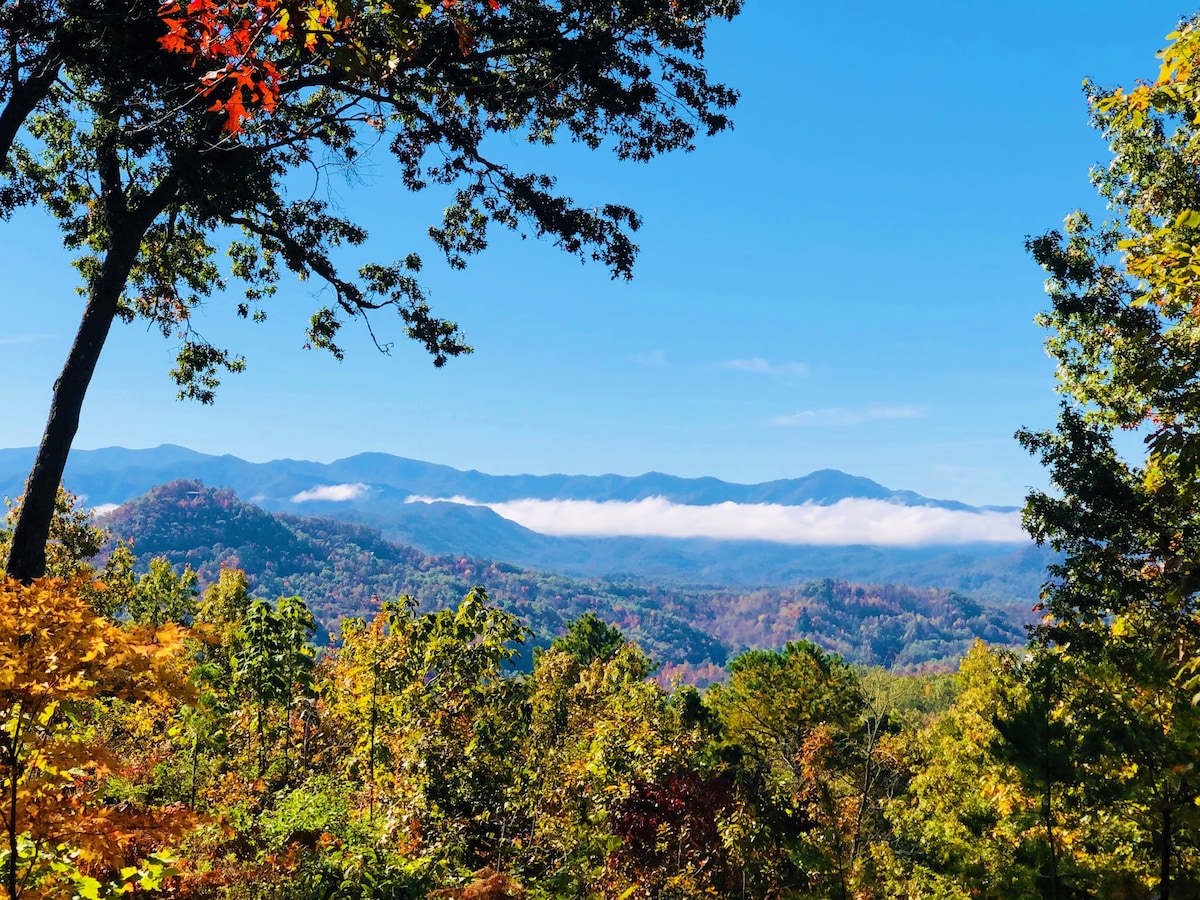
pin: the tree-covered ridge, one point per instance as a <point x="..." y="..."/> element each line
<point x="342" y="569"/>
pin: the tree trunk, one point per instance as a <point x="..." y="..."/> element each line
<point x="1048" y="820"/>
<point x="1164" y="875"/>
<point x="14" y="773"/>
<point x="10" y="874"/>
<point x="371" y="744"/>
<point x="27" y="558"/>
<point x="27" y="555"/>
<point x="195" y="769"/>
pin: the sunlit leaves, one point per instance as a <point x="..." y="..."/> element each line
<point x="57" y="655"/>
<point x="1127" y="292"/>
<point x="272" y="664"/>
<point x="243" y="51"/>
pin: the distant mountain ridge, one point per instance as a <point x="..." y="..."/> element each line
<point x="115" y="474"/>
<point x="377" y="488"/>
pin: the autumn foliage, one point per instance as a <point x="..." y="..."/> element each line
<point x="244" y="51"/>
<point x="57" y="659"/>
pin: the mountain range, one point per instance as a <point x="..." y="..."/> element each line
<point x="116" y="474"/>
<point x="378" y="490"/>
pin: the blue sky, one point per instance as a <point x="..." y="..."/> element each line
<point x="840" y="282"/>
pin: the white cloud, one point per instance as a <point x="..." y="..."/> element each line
<point x="334" y="493"/>
<point x="760" y="366"/>
<point x="840" y="415"/>
<point x="852" y="521"/>
<point x="22" y="339"/>
<point x="104" y="509"/>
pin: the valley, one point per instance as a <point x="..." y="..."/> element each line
<point x="690" y="629"/>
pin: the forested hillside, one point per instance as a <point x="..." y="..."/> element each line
<point x="345" y="570"/>
<point x="230" y="760"/>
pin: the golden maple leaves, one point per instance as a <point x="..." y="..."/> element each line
<point x="1165" y="250"/>
<point x="58" y="660"/>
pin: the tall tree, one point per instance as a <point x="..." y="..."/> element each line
<point x="272" y="664"/>
<point x="1122" y="604"/>
<point x="150" y="129"/>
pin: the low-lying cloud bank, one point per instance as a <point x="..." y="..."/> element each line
<point x="847" y="522"/>
<point x="335" y="493"/>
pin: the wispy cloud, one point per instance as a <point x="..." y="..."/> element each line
<point x="760" y="366"/>
<point x="848" y="522"/>
<point x="104" y="509"/>
<point x="13" y="339"/>
<point x="841" y="415"/>
<point x="335" y="493"/>
<point x="655" y="359"/>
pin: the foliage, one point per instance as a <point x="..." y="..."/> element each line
<point x="796" y="717"/>
<point x="589" y="639"/>
<point x="272" y="665"/>
<point x="57" y="659"/>
<point x="414" y="760"/>
<point x="73" y="538"/>
<point x="1113" y="658"/>
<point x="73" y="541"/>
<point x="162" y="596"/>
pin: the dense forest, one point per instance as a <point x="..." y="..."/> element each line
<point x="341" y="569"/>
<point x="160" y="739"/>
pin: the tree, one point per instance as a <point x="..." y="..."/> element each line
<point x="960" y="827"/>
<point x="589" y="638"/>
<point x="55" y="655"/>
<point x="150" y="130"/>
<point x="71" y="541"/>
<point x="436" y="722"/>
<point x="162" y="596"/>
<point x="613" y="803"/>
<point x="795" y="718"/>
<point x="272" y="664"/>
<point x="1122" y="619"/>
<point x="1121" y="604"/>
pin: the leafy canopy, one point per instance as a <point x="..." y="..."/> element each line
<point x="214" y="105"/>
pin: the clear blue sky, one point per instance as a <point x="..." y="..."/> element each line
<point x="839" y="282"/>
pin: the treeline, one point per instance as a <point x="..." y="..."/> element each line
<point x="339" y="569"/>
<point x="201" y="745"/>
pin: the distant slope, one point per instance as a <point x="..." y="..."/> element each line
<point x="384" y="484"/>
<point x="999" y="571"/>
<point x="114" y="474"/>
<point x="343" y="569"/>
